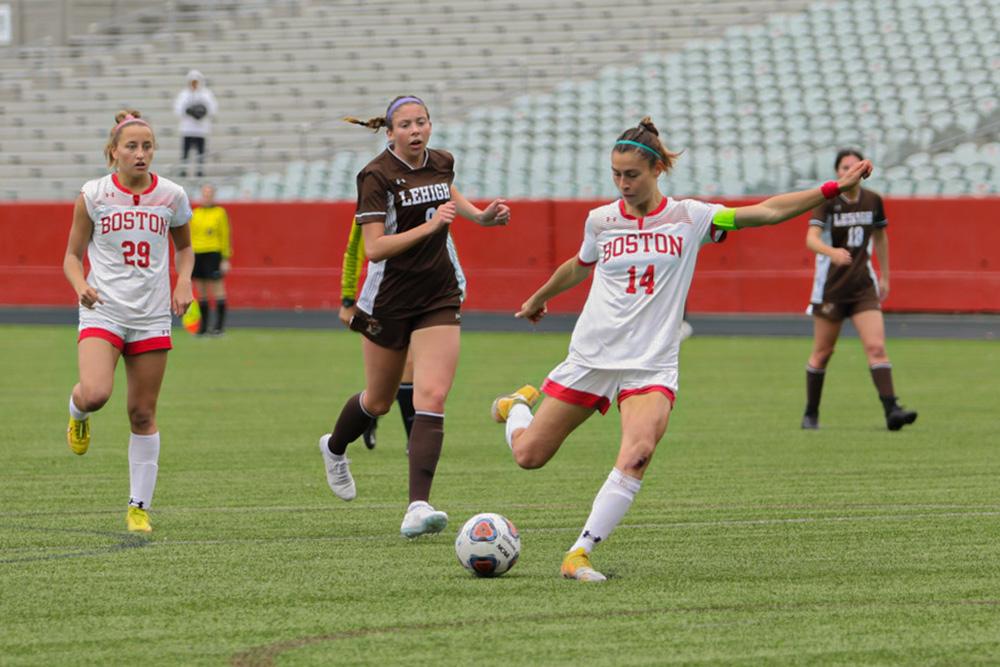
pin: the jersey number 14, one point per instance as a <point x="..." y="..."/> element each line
<point x="647" y="280"/>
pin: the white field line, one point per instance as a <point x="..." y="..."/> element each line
<point x="672" y="525"/>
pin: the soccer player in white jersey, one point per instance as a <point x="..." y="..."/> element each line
<point x="121" y="222"/>
<point x="642" y="249"/>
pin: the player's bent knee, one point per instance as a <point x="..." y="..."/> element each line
<point x="93" y="398"/>
<point x="529" y="453"/>
<point x="822" y="357"/>
<point x="876" y="353"/>
<point x="637" y="457"/>
<point x="528" y="460"/>
<point x="377" y="408"/>
<point x="142" y="420"/>
<point x="430" y="401"/>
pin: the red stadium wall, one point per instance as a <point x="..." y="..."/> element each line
<point x="943" y="251"/>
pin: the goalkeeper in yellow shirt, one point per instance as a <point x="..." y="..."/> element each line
<point x="212" y="244"/>
<point x="350" y="274"/>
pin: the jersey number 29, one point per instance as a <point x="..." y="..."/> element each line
<point x="136" y="254"/>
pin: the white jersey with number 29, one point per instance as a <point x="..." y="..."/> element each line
<point x="129" y="249"/>
<point x="644" y="266"/>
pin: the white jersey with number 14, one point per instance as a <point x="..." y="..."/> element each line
<point x="643" y="271"/>
<point x="129" y="249"/>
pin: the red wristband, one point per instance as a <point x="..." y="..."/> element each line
<point x="830" y="189"/>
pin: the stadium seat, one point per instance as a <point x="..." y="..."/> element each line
<point x="781" y="87"/>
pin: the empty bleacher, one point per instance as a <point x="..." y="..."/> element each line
<point x="758" y="93"/>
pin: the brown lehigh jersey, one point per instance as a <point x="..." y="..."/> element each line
<point x="426" y="276"/>
<point x="847" y="225"/>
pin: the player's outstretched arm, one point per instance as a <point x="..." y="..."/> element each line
<point x="779" y="208"/>
<point x="569" y="274"/>
<point x="497" y="213"/>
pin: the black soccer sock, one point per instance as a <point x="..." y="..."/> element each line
<point x="425" y="450"/>
<point x="814" y="389"/>
<point x="404" y="397"/>
<point x="351" y="423"/>
<point x="220" y="314"/>
<point x="203" y="306"/>
<point x="882" y="377"/>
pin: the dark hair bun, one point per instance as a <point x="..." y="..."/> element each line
<point x="647" y="124"/>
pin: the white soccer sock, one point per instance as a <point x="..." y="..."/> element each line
<point x="519" y="417"/>
<point x="143" y="454"/>
<point x="610" y="506"/>
<point x="75" y="412"/>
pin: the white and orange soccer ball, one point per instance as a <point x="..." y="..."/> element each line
<point x="488" y="545"/>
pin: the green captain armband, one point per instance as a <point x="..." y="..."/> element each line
<point x="725" y="219"/>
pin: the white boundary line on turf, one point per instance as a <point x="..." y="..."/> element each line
<point x="527" y="507"/>
<point x="166" y="541"/>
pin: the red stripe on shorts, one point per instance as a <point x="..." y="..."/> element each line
<point x="575" y="396"/>
<point x="103" y="334"/>
<point x="667" y="391"/>
<point x="149" y="345"/>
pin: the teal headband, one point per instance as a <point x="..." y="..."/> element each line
<point x="642" y="146"/>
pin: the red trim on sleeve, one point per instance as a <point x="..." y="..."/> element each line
<point x="149" y="345"/>
<point x="718" y="235"/>
<point x="103" y="334"/>
<point x="583" y="263"/>
<point x="575" y="396"/>
<point x="666" y="391"/>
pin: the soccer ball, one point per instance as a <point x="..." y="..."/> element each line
<point x="488" y="545"/>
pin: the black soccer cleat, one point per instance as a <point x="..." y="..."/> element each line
<point x="898" y="417"/>
<point x="810" y="422"/>
<point x="369" y="435"/>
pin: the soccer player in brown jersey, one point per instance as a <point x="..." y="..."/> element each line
<point x="842" y="233"/>
<point x="350" y="275"/>
<point x="410" y="300"/>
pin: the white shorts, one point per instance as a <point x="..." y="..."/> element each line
<point x="595" y="387"/>
<point x="128" y="341"/>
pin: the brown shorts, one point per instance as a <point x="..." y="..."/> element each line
<point x="837" y="311"/>
<point x="395" y="334"/>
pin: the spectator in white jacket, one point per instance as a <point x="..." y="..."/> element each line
<point x="195" y="106"/>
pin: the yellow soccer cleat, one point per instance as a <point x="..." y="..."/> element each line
<point x="576" y="565"/>
<point x="526" y="395"/>
<point x="137" y="520"/>
<point x="78" y="435"/>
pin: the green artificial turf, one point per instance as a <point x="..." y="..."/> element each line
<point x="751" y="541"/>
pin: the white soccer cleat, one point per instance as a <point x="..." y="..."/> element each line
<point x="422" y="519"/>
<point x="338" y="471"/>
